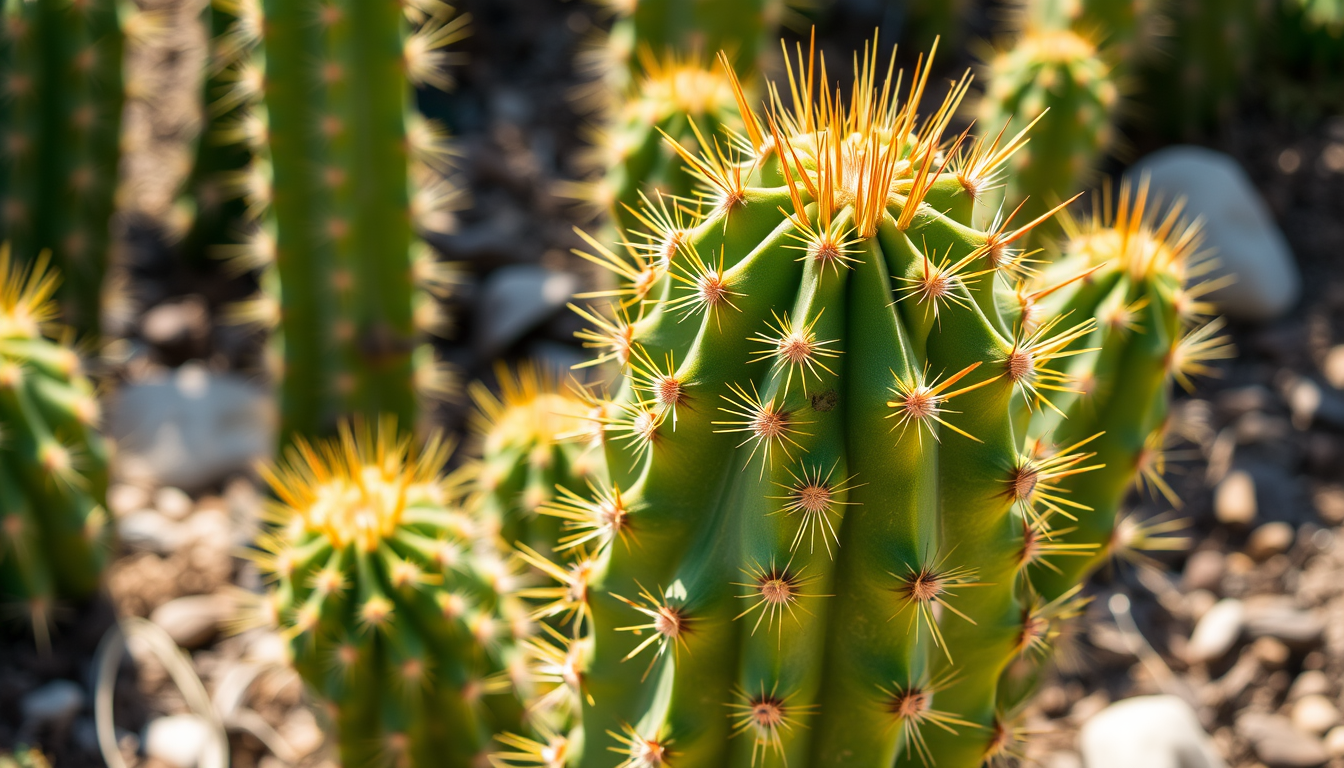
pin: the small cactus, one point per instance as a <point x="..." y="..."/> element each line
<point x="811" y="548"/>
<point x="394" y="601"/>
<point x="54" y="531"/>
<point x="60" y="71"/>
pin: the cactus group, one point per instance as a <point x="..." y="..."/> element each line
<point x="60" y="71"/>
<point x="814" y="543"/>
<point x="394" y="601"/>
<point x="54" y="531"/>
<point x="345" y="174"/>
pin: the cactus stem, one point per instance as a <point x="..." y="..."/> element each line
<point x="669" y="624"/>
<point x="912" y="707"/>
<point x="1202" y="345"/>
<point x="636" y="276"/>
<point x="1041" y="620"/>
<point x="940" y="281"/>
<point x="568" y="598"/>
<point x="1037" y="547"/>
<point x="600" y="520"/>
<point x="768" y="426"/>
<point x="815" y="497"/>
<point x="641" y="752"/>
<point x="552" y="752"/>
<point x="920" y="589"/>
<point x="795" y="348"/>
<point x="614" y="338"/>
<point x="775" y="591"/>
<point x="921" y="403"/>
<point x="667" y="390"/>
<point x="767" y="717"/>
<point x="709" y="288"/>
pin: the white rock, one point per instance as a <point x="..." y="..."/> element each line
<point x="178" y="740"/>
<point x="1238" y="229"/>
<point x="515" y="298"/>
<point x="123" y="499"/>
<point x="193" y="620"/>
<point x="191" y="428"/>
<point x="148" y="530"/>
<point x="1314" y="713"/>
<point x="173" y="502"/>
<point x="1217" y="631"/>
<point x="1234" y="499"/>
<point x="1147" y="731"/>
<point x="1334" y="741"/>
<point x="54" y="703"/>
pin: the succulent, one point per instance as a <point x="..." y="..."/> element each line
<point x="1324" y="14"/>
<point x="394" y="601"/>
<point x="54" y="531"/>
<point x="345" y="172"/>
<point x="812" y="545"/>
<point x="60" y="64"/>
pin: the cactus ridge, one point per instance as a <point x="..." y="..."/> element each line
<point x="395" y="602"/>
<point x="821" y="344"/>
<point x="55" y="534"/>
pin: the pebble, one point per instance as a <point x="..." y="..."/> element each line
<point x="1204" y="570"/>
<point x="193" y="620"/>
<point x="1278" y="744"/>
<point x="1269" y="539"/>
<point x="1147" y="731"/>
<point x="149" y="531"/>
<point x="515" y="299"/>
<point x="1271" y="653"/>
<point x="178" y="740"/>
<point x="172" y="503"/>
<point x="1198" y="602"/>
<point x="1216" y="632"/>
<point x="1315" y="714"/>
<point x="55" y="703"/>
<point x="123" y="499"/>
<point x="1280" y="618"/>
<point x="302" y="732"/>
<point x="180" y="325"/>
<point x="1313" y="682"/>
<point x="1329" y="503"/>
<point x="1333" y="366"/>
<point x="1334" y="741"/>
<point x="1238" y="229"/>
<point x="1234" y="499"/>
<point x="191" y="428"/>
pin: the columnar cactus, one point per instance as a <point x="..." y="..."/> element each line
<point x="346" y="174"/>
<point x="813" y="543"/>
<point x="394" y="602"/>
<point x="54" y="531"/>
<point x="1142" y="283"/>
<point x="60" y="64"/>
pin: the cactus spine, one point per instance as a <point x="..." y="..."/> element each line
<point x="390" y="596"/>
<point x="811" y="547"/>
<point x="347" y="173"/>
<point x="54" y="531"/>
<point x="61" y="69"/>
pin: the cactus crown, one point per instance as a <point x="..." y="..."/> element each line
<point x="27" y="305"/>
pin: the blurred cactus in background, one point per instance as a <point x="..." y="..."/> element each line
<point x="394" y="600"/>
<point x="55" y="534"/>
<point x="345" y="173"/>
<point x="815" y="539"/>
<point x="60" y="69"/>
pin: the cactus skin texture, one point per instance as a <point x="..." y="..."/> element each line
<point x="347" y="174"/>
<point x="390" y="596"/>
<point x="530" y="451"/>
<point x="60" y="68"/>
<point x="1061" y="70"/>
<point x="55" y="534"/>
<point x="811" y="547"/>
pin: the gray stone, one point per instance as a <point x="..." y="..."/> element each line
<point x="1216" y="632"/>
<point x="193" y="620"/>
<point x="516" y="298"/>
<point x="149" y="531"/>
<point x="1278" y="744"/>
<point x="1280" y="618"/>
<point x="173" y="502"/>
<point x="54" y="704"/>
<point x="1238" y="229"/>
<point x="178" y="740"/>
<point x="1148" y="731"/>
<point x="191" y="428"/>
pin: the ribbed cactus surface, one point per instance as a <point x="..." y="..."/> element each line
<point x="60" y="70"/>
<point x="813" y="543"/>
<point x="54" y="531"/>
<point x="393" y="600"/>
<point x="346" y="174"/>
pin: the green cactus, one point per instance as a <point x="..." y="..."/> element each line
<point x="1142" y="281"/>
<point x="811" y="549"/>
<point x="60" y="63"/>
<point x="347" y="174"/>
<point x="1058" y="79"/>
<point x="395" y="603"/>
<point x="536" y="441"/>
<point x="54" y="531"/>
<point x="1324" y="14"/>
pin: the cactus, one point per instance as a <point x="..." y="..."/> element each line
<point x="1142" y="270"/>
<point x="1324" y="14"/>
<point x="811" y="548"/>
<point x="346" y="174"/>
<point x="530" y="451"/>
<point x="60" y="63"/>
<point x="1056" y="78"/>
<point x="390" y="596"/>
<point x="54" y="531"/>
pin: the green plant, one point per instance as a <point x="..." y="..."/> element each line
<point x="345" y="174"/>
<point x="393" y="601"/>
<point x="60" y="69"/>
<point x="54" y="531"/>
<point x="812" y="548"/>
